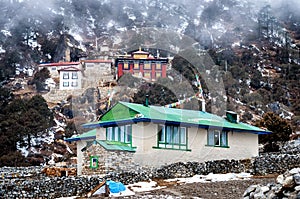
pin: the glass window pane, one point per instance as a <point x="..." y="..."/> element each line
<point x="217" y="138"/>
<point x="74" y="84"/>
<point x="65" y="84"/>
<point x="116" y="134"/>
<point x="158" y="74"/>
<point x="168" y="134"/>
<point x="175" y="135"/>
<point x="109" y="133"/>
<point x="147" y="75"/>
<point x="182" y="135"/>
<point x="128" y="134"/>
<point x="122" y="132"/>
<point x="161" y="133"/>
<point x="210" y="137"/>
<point x="158" y="66"/>
<point x="126" y="66"/>
<point x="147" y="66"/>
<point x="136" y="66"/>
<point x="74" y="75"/>
<point x="224" y="138"/>
<point x="65" y="75"/>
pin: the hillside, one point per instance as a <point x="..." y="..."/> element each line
<point x="249" y="52"/>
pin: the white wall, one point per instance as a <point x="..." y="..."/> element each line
<point x="241" y="145"/>
<point x="144" y="137"/>
<point x="80" y="145"/>
<point x="70" y="80"/>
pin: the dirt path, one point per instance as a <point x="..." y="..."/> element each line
<point x="213" y="190"/>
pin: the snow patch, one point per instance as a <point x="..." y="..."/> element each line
<point x="131" y="189"/>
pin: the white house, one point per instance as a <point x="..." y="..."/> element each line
<point x="70" y="78"/>
<point x="132" y="135"/>
<point x="55" y="67"/>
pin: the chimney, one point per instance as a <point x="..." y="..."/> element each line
<point x="232" y="117"/>
<point x="203" y="105"/>
<point x="147" y="101"/>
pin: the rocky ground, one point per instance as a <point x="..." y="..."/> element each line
<point x="213" y="190"/>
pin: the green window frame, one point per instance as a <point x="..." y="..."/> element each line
<point x="172" y="137"/>
<point x="121" y="134"/>
<point x="94" y="162"/>
<point x="217" y="138"/>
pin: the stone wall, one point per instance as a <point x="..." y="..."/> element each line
<point x="108" y="161"/>
<point x="56" y="95"/>
<point x="275" y="163"/>
<point x="29" y="182"/>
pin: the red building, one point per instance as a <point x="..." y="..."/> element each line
<point x="142" y="64"/>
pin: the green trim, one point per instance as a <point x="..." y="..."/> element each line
<point x="94" y="162"/>
<point x="217" y="146"/>
<point x="220" y="138"/>
<point x="131" y="112"/>
<point x="156" y="147"/>
<point x="118" y="112"/>
<point x="116" y="146"/>
<point x="175" y="146"/>
<point x="125" y="135"/>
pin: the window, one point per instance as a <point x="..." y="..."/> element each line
<point x="74" y="84"/>
<point x="136" y="66"/>
<point x="147" y="75"/>
<point x="65" y="75"/>
<point x="147" y="66"/>
<point x="217" y="138"/>
<point x="173" y="137"/>
<point x="158" y="66"/>
<point x="119" y="134"/>
<point x="94" y="162"/>
<point x="74" y="75"/>
<point x="65" y="84"/>
<point x="157" y="74"/>
<point x="126" y="66"/>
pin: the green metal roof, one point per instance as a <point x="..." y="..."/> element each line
<point x="115" y="146"/>
<point x="124" y="113"/>
<point x="85" y="136"/>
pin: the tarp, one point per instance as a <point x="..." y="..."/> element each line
<point x="115" y="187"/>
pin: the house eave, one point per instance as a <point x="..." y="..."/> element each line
<point x="157" y="121"/>
<point x="78" y="139"/>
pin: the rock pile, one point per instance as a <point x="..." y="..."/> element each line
<point x="287" y="186"/>
<point x="292" y="147"/>
<point x="47" y="187"/>
<point x="182" y="170"/>
<point x="20" y="172"/>
<point x="275" y="163"/>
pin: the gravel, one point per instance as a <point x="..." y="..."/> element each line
<point x="212" y="190"/>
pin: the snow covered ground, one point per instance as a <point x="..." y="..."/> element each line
<point x="152" y="185"/>
<point x="132" y="189"/>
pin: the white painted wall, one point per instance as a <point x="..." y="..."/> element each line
<point x="80" y="145"/>
<point x="241" y="145"/>
<point x="144" y="137"/>
<point x="70" y="81"/>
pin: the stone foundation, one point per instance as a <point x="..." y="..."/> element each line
<point x="108" y="161"/>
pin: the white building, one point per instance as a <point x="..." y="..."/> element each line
<point x="70" y="78"/>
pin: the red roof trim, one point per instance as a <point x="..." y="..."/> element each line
<point x="71" y="68"/>
<point x="97" y="61"/>
<point x="59" y="64"/>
